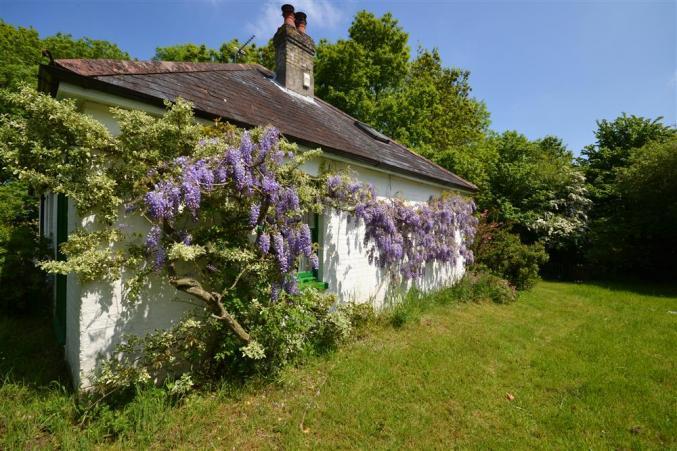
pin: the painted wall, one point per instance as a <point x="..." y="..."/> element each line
<point x="344" y="257"/>
<point x="99" y="315"/>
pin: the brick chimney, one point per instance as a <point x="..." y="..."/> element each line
<point x="294" y="53"/>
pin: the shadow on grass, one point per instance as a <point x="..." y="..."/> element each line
<point x="29" y="353"/>
<point x="644" y="288"/>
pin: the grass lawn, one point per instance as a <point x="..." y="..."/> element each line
<point x="566" y="366"/>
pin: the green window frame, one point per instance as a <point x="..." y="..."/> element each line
<point x="61" y="280"/>
<point x="310" y="278"/>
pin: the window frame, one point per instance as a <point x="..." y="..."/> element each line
<point x="311" y="278"/>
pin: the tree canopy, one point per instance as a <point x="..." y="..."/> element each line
<point x="227" y="53"/>
<point x="21" y="52"/>
<point x="615" y="141"/>
<point x="630" y="174"/>
<point x="372" y="76"/>
<point x="531" y="184"/>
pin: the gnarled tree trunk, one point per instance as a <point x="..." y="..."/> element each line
<point x="214" y="301"/>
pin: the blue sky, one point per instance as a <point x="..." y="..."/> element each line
<point x="542" y="67"/>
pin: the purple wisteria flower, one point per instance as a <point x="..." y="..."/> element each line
<point x="264" y="243"/>
<point x="163" y="201"/>
<point x="280" y="252"/>
<point x="269" y="141"/>
<point x="407" y="237"/>
<point x="270" y="185"/>
<point x="246" y="148"/>
<point x="254" y="212"/>
<point x="154" y="247"/>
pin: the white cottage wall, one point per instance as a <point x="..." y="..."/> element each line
<point x="344" y="257"/>
<point x="98" y="316"/>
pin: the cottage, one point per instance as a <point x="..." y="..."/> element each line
<point x="90" y="318"/>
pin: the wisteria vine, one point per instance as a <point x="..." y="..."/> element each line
<point x="402" y="237"/>
<point x="405" y="237"/>
<point x="249" y="174"/>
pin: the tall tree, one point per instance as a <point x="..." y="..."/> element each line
<point x="647" y="219"/>
<point x="187" y="52"/>
<point x="629" y="174"/>
<point x="357" y="73"/>
<point x="419" y="102"/>
<point x="433" y="109"/>
<point x="611" y="151"/>
<point x="21" y="52"/>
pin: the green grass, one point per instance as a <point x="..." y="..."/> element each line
<point x="567" y="366"/>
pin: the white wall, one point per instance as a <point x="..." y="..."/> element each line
<point x="97" y="313"/>
<point x="98" y="316"/>
<point x="106" y="315"/>
<point x="344" y="259"/>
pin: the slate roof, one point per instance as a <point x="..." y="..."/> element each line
<point x="246" y="95"/>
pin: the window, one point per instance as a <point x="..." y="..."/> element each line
<point x="372" y="132"/>
<point x="307" y="276"/>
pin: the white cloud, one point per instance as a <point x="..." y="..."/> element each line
<point x="322" y="14"/>
<point x="672" y="82"/>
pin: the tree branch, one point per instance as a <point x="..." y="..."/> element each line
<point x="214" y="300"/>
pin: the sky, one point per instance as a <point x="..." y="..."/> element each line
<point x="542" y="67"/>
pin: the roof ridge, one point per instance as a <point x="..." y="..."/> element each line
<point x="97" y="66"/>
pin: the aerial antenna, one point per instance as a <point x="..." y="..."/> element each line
<point x="240" y="51"/>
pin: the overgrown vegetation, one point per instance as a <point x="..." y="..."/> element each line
<point x="475" y="286"/>
<point x="630" y="171"/>
<point x="219" y="214"/>
<point x="502" y="253"/>
<point x="20" y="247"/>
<point x="201" y="351"/>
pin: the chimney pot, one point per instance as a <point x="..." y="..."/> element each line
<point x="300" y="21"/>
<point x="288" y="14"/>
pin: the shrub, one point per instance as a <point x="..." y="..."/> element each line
<point x="403" y="313"/>
<point x="199" y="351"/>
<point x="362" y="316"/>
<point x="503" y="254"/>
<point x="479" y="286"/>
<point x="19" y="249"/>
